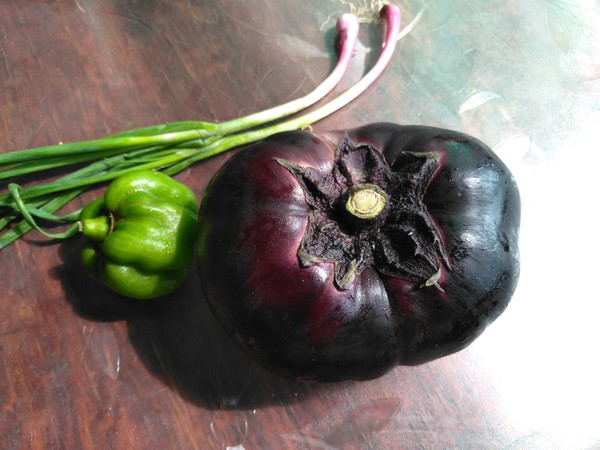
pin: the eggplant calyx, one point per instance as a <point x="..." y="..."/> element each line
<point x="363" y="214"/>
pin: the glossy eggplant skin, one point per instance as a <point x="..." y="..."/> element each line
<point x="294" y="320"/>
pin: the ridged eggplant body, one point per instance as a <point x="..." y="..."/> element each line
<point x="299" y="316"/>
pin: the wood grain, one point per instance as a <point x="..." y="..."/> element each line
<point x="81" y="368"/>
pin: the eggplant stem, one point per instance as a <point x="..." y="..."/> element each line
<point x="366" y="201"/>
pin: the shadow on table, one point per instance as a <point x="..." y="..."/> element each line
<point x="181" y="343"/>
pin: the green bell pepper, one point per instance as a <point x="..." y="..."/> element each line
<point x="141" y="234"/>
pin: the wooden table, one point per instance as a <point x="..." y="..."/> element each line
<point x="81" y="368"/>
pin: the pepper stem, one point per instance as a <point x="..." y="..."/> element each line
<point x="366" y="201"/>
<point x="96" y="228"/>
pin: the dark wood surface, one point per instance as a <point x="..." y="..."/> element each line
<point x="81" y="368"/>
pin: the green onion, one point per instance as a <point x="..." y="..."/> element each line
<point x="168" y="147"/>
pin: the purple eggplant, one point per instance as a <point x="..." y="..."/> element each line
<point x="342" y="255"/>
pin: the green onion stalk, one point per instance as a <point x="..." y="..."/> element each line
<point x="170" y="147"/>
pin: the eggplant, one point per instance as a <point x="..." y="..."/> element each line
<point x="341" y="255"/>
